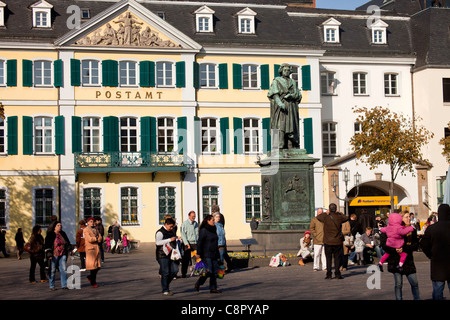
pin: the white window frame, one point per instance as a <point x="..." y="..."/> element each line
<point x="359" y="83"/>
<point x="174" y="214"/>
<point x="128" y="70"/>
<point x="166" y="128"/>
<point x="42" y="77"/>
<point x="376" y="27"/>
<point x="219" y="197"/>
<point x="331" y="25"/>
<point x="42" y="7"/>
<point x="254" y="148"/>
<point x="251" y="76"/>
<point x="139" y="205"/>
<point x="3" y="127"/>
<point x="91" y="129"/>
<point x="90" y="68"/>
<point x="202" y="15"/>
<point x="2" y="14"/>
<point x="7" y="211"/>
<point x="208" y="129"/>
<point x="102" y="200"/>
<point x="128" y="128"/>
<point x="245" y="15"/>
<point x="388" y="84"/>
<point x="33" y="201"/>
<point x="164" y="78"/>
<point x="330" y="85"/>
<point x="209" y="66"/>
<point x="3" y="73"/>
<point x="43" y="128"/>
<point x="252" y="185"/>
<point x="327" y="147"/>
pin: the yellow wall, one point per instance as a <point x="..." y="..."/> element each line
<point x="20" y="202"/>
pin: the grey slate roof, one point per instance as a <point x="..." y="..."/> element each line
<point x="275" y="28"/>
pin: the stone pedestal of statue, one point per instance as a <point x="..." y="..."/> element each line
<point x="287" y="198"/>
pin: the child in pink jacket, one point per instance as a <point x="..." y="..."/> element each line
<point x="395" y="233"/>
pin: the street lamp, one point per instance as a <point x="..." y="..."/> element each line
<point x="346" y="179"/>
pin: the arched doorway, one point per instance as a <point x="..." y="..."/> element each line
<point x="367" y="190"/>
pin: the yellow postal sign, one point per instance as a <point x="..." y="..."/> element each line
<point x="372" y="201"/>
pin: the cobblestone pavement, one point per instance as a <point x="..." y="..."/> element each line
<point x="134" y="276"/>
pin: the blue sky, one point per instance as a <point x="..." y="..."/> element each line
<point x="340" y="4"/>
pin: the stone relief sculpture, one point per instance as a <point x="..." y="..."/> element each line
<point x="130" y="32"/>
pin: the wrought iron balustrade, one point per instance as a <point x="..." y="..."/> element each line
<point x="130" y="161"/>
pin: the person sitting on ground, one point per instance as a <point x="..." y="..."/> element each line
<point x="306" y="245"/>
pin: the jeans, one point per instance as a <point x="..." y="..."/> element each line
<point x="212" y="271"/>
<point x="126" y="249"/>
<point x="438" y="289"/>
<point x="168" y="269"/>
<point x="412" y="278"/>
<point x="225" y="257"/>
<point x="61" y="262"/>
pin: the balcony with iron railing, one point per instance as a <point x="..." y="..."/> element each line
<point x="110" y="162"/>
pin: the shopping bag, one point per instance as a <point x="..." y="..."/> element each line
<point x="167" y="248"/>
<point x="176" y="255"/>
<point x="221" y="272"/>
<point x="274" y="261"/>
<point x="200" y="268"/>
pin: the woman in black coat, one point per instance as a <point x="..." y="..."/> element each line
<point x="409" y="268"/>
<point x="37" y="254"/>
<point x="436" y="245"/>
<point x="208" y="251"/>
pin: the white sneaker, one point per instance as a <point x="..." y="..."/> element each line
<point x="82" y="270"/>
<point x="350" y="262"/>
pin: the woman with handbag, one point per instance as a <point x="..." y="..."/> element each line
<point x="91" y="240"/>
<point x="57" y="246"/>
<point x="208" y="251"/>
<point x="35" y="247"/>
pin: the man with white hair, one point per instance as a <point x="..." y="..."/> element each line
<point x="316" y="229"/>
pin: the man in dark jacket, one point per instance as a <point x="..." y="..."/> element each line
<point x="436" y="245"/>
<point x="168" y="268"/>
<point x="332" y="227"/>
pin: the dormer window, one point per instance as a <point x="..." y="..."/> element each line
<point x="204" y="19"/>
<point x="379" y="32"/>
<point x="2" y="14"/>
<point x="331" y="31"/>
<point x="246" y="21"/>
<point x="42" y="14"/>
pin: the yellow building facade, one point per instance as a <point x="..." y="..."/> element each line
<point x="127" y="118"/>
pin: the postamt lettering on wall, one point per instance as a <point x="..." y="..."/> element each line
<point x="136" y="95"/>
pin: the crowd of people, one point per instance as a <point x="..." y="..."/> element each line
<point x="355" y="240"/>
<point x="332" y="239"/>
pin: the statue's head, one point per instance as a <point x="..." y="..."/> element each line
<point x="285" y="69"/>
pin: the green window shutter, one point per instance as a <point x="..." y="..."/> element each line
<point x="145" y="134"/>
<point x="267" y="142"/>
<point x="197" y="135"/>
<point x="182" y="135"/>
<point x="145" y="79"/>
<point x="265" y="80"/>
<point x="180" y="67"/>
<point x="27" y="123"/>
<point x="237" y="76"/>
<point x="275" y="70"/>
<point x="308" y="135"/>
<point x="75" y="72"/>
<point x="110" y="77"/>
<point x="238" y="136"/>
<point x="306" y="77"/>
<point x="27" y="73"/>
<point x="153" y="135"/>
<point x="196" y="75"/>
<point x="110" y="134"/>
<point x="11" y="73"/>
<point x="223" y="76"/>
<point x="12" y="135"/>
<point x="76" y="134"/>
<point x="224" y="126"/>
<point x="59" y="135"/>
<point x="58" y="73"/>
